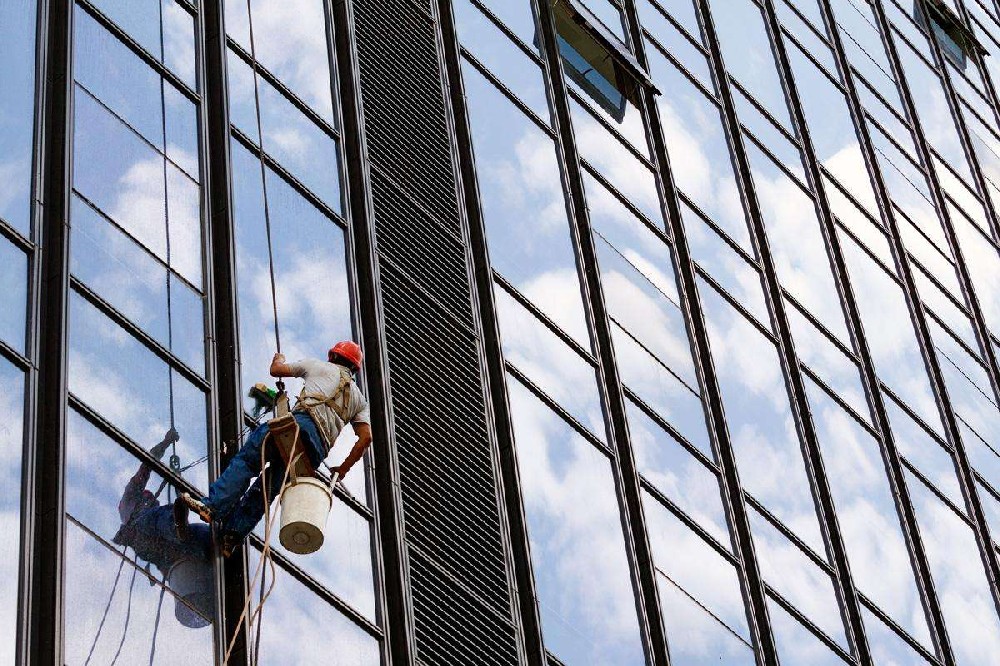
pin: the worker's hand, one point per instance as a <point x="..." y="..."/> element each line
<point x="342" y="470"/>
<point x="158" y="450"/>
<point x="170" y="438"/>
<point x="278" y="358"/>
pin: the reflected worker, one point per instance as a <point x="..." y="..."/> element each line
<point x="329" y="400"/>
<point x="148" y="528"/>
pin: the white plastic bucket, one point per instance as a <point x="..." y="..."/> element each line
<point x="192" y="581"/>
<point x="305" y="505"/>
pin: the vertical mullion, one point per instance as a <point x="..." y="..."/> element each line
<point x="989" y="356"/>
<point x="889" y="450"/>
<point x="751" y="579"/>
<point x="530" y="619"/>
<point x="228" y="401"/>
<point x="46" y="463"/>
<point x="847" y="596"/>
<point x="398" y="623"/>
<point x="637" y="545"/>
<point x="963" y="468"/>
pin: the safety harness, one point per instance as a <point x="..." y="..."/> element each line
<point x="285" y="433"/>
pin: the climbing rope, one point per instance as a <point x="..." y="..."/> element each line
<point x="128" y="617"/>
<point x="265" y="557"/>
<point x="263" y="178"/>
<point x="174" y="459"/>
<point x="156" y="623"/>
<point x="107" y="607"/>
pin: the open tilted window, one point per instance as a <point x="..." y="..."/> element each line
<point x="956" y="40"/>
<point x="596" y="60"/>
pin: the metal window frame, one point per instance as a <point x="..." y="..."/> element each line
<point x="966" y="479"/>
<point x="45" y="406"/>
<point x="845" y="590"/>
<point x="637" y="545"/>
<point x="734" y="502"/>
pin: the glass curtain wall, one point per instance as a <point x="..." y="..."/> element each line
<point x="524" y="208"/>
<point x="136" y="358"/>
<point x="17" y="257"/>
<point x="290" y="227"/>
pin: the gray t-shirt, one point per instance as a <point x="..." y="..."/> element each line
<point x="322" y="379"/>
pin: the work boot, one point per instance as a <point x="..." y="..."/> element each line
<point x="228" y="542"/>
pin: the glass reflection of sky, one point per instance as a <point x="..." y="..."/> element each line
<point x="959" y="578"/>
<point x="760" y="418"/>
<point x="523" y="206"/>
<point x="14" y="296"/>
<point x="17" y="93"/>
<point x="880" y="562"/>
<point x="11" y="437"/>
<point x="713" y="630"/>
<point x="577" y="546"/>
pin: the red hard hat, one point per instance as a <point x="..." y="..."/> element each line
<point x="349" y="351"/>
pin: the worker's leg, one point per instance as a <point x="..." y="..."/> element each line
<point x="245" y="465"/>
<point x="250" y="509"/>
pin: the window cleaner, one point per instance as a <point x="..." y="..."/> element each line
<point x="330" y="398"/>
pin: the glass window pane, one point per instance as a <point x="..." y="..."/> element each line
<point x="696" y="141"/>
<point x="293" y="611"/>
<point x="523" y="206"/>
<point x="893" y="343"/>
<point x="14" y="296"/>
<point x="290" y="137"/>
<point x="609" y="156"/>
<point x="869" y="523"/>
<point x="548" y="362"/>
<point x="105" y="493"/>
<point x="797" y="578"/>
<point x="17" y="104"/>
<point x="291" y="43"/>
<point x="344" y="563"/>
<point x="747" y="53"/>
<point x="695" y="567"/>
<point x="127" y="384"/>
<point x="310" y="272"/>
<point x="153" y="23"/>
<point x="759" y="418"/>
<point x="11" y="447"/>
<point x="923" y="452"/>
<point x="676" y="473"/>
<point x="582" y="575"/>
<point x="506" y="61"/>
<point x="131" y="280"/>
<point x="959" y="579"/>
<point x="796" y="644"/>
<point x="886" y="645"/>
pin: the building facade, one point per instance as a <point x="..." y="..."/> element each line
<point x="681" y="323"/>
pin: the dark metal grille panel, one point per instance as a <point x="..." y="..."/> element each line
<point x="445" y="633"/>
<point x="462" y="601"/>
<point x="422" y="247"/>
<point x="405" y="122"/>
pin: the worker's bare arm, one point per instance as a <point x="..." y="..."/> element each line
<point x="364" y="433"/>
<point x="279" y="368"/>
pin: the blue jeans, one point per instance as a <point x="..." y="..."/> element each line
<point x="241" y="508"/>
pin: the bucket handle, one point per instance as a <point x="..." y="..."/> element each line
<point x="334" y="477"/>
